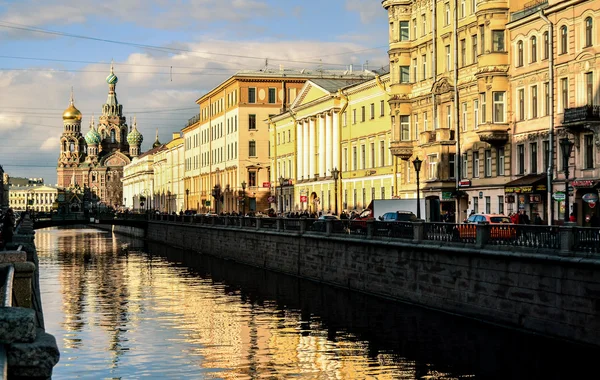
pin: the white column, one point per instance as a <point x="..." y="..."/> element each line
<point x="322" y="145"/>
<point x="329" y="142"/>
<point x="305" y="153"/>
<point x="312" y="146"/>
<point x="299" y="149"/>
<point x="336" y="141"/>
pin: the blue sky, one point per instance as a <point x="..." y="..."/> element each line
<point x="192" y="46"/>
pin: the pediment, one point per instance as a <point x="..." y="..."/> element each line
<point x="442" y="86"/>
<point x="115" y="159"/>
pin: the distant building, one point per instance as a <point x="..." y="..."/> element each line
<point x="3" y="189"/>
<point x="21" y="181"/>
<point x="38" y="198"/>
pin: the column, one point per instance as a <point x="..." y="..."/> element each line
<point x="299" y="150"/>
<point x="305" y="152"/>
<point x="336" y="141"/>
<point x="311" y="148"/>
<point x="322" y="145"/>
<point x="328" y="140"/>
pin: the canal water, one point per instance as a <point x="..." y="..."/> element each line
<point x="121" y="308"/>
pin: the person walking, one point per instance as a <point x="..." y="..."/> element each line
<point x="8" y="226"/>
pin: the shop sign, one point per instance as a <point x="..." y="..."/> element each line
<point x="541" y="188"/>
<point x="303" y="198"/>
<point x="583" y="183"/>
<point x="272" y="199"/>
<point x="288" y="182"/>
<point x="590" y="198"/>
<point x="534" y="198"/>
<point x="519" y="189"/>
<point x="558" y="196"/>
<point x="446" y="195"/>
<point x="464" y="183"/>
<point x="481" y="195"/>
<point x="266" y="184"/>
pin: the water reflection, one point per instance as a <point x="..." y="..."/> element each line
<point x="122" y="309"/>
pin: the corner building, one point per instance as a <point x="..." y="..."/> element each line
<point x="449" y="102"/>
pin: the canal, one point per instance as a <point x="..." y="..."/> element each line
<point x="122" y="308"/>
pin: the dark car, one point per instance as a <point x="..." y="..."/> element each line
<point x="320" y="225"/>
<point x="396" y="224"/>
<point x="398" y="216"/>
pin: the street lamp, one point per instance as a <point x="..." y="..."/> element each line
<point x="244" y="198"/>
<point x="281" y="182"/>
<point x="216" y="193"/>
<point x="187" y="197"/>
<point x="417" y="163"/>
<point x="336" y="174"/>
<point x="566" y="146"/>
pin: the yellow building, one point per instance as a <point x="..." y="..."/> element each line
<point x="227" y="165"/>
<point x="456" y="122"/>
<point x="334" y="124"/>
<point x="554" y="80"/>
<point x="38" y="198"/>
<point x="168" y="187"/>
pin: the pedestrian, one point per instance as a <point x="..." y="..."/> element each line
<point x="514" y="218"/>
<point x="538" y="220"/>
<point x="572" y="218"/>
<point x="8" y="225"/>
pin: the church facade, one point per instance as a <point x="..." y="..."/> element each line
<point x="94" y="162"/>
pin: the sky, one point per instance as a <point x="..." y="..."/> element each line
<point x="167" y="54"/>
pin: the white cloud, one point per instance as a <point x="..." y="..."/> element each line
<point x="368" y="10"/>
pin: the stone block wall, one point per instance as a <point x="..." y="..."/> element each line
<point x="548" y="294"/>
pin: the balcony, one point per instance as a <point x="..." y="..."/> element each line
<point x="582" y="115"/>
<point x="529" y="8"/>
<point x="493" y="134"/>
<point x="402" y="149"/>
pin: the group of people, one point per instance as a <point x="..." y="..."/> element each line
<point x="521" y="217"/>
<point x="7" y="227"/>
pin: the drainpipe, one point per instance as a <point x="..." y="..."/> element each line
<point x="551" y="112"/>
<point x="434" y="62"/>
<point x="338" y="159"/>
<point x="457" y="158"/>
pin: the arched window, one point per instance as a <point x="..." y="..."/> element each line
<point x="588" y="32"/>
<point x="64" y="146"/>
<point x="563" y="40"/>
<point x="113" y="137"/>
<point x="520" y="53"/>
<point x="72" y="147"/>
<point x="533" y="41"/>
<point x="546" y="45"/>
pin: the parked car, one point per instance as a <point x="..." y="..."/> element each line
<point x="320" y="225"/>
<point x="501" y="227"/>
<point x="396" y="224"/>
<point x="398" y="216"/>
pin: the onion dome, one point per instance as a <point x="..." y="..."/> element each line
<point x="135" y="137"/>
<point x="93" y="137"/>
<point x="156" y="142"/>
<point x="71" y="113"/>
<point x="112" y="78"/>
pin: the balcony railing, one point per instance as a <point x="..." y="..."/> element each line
<point x="579" y="114"/>
<point x="529" y="8"/>
<point x="193" y="120"/>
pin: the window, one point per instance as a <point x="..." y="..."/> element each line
<point x="363" y="157"/>
<point x="521" y="159"/>
<point x="474" y="48"/>
<point x="447" y="14"/>
<point x="252" y="178"/>
<point x="404" y="128"/>
<point x="463" y="52"/>
<point x="363" y="114"/>
<point x="372" y="111"/>
<point x="464" y="116"/>
<point x="589" y="151"/>
<point x="546" y="148"/>
<point x="372" y="158"/>
<point x="382" y="153"/>
<point x="521" y="97"/>
<point x="448" y="58"/>
<point x="546" y="45"/>
<point x="452" y="165"/>
<point x="564" y="93"/>
<point x="414" y="65"/>
<point x="354" y="116"/>
<point x="482" y="35"/>
<point x="414" y="28"/>
<point x="432" y="166"/>
<point x="251" y="95"/>
<point x="404" y="31"/>
<point x="463" y="9"/>
<point x="416" y="128"/>
<point x="448" y="117"/>
<point x="589" y="89"/>
<point x="498" y="40"/>
<point x="425" y="121"/>
<point x="488" y="205"/>
<point x="272" y="96"/>
<point x="345" y="165"/>
<point x="487" y="171"/>
<point x="483" y="108"/>
<point x="588" y="32"/>
<point x="500" y="204"/>
<point x="500" y="161"/>
<point x="533" y="42"/>
<point x="533" y="158"/>
<point x="476" y="205"/>
<point x="251" y="121"/>
<point x="475" y="113"/>
<point x="423" y="25"/>
<point x="252" y="148"/>
<point x="534" y="101"/>
<point x="381" y="107"/>
<point x="392" y="34"/>
<point x="345" y="119"/>
<point x="546" y="99"/>
<point x="354" y="158"/>
<point x="475" y="164"/>
<point x="113" y="138"/>
<point x="563" y="40"/>
<point x="404" y="74"/>
<point x="424" y="63"/>
<point x="519" y="53"/>
<point x="499" y="108"/>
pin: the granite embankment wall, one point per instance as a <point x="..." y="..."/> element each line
<point x="124" y="230"/>
<point x="552" y="295"/>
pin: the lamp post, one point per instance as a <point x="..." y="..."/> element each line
<point x="168" y="202"/>
<point x="227" y="202"/>
<point x="336" y="174"/>
<point x="216" y="193"/>
<point x="417" y="164"/>
<point x="281" y="182"/>
<point x="187" y="197"/>
<point x="566" y="147"/>
<point x="244" y="198"/>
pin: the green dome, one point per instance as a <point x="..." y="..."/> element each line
<point x="134" y="137"/>
<point x="93" y="137"/>
<point x="112" y="79"/>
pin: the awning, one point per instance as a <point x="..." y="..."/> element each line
<point x="531" y="183"/>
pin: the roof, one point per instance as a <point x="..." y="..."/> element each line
<point x="528" y="180"/>
<point x="152" y="151"/>
<point x="332" y="85"/>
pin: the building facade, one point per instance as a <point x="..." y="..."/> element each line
<point x="95" y="162"/>
<point x="37" y="198"/>
<point x="169" y="193"/>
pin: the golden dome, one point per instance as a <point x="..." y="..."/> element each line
<point x="72" y="113"/>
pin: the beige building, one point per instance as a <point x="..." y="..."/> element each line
<point x="168" y="187"/>
<point x="38" y="198"/>
<point x="449" y="101"/>
<point x="554" y="81"/>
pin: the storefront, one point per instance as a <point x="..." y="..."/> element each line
<point x="529" y="194"/>
<point x="586" y="199"/>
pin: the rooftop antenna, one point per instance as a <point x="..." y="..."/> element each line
<point x="320" y="67"/>
<point x="266" y="63"/>
<point x="367" y="65"/>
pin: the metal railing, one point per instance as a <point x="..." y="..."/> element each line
<point x="522" y="235"/>
<point x="587" y="240"/>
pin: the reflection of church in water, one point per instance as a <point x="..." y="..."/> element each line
<point x="94" y="162"/>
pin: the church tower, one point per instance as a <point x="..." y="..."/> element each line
<point x="134" y="138"/>
<point x="72" y="147"/>
<point x="92" y="139"/>
<point x="112" y="125"/>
